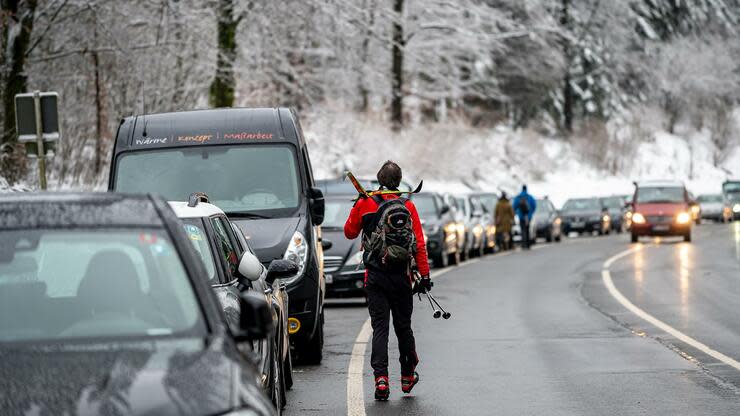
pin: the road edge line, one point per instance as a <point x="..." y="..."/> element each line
<point x="616" y="294"/>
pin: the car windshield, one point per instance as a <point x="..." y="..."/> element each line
<point x="489" y="201"/>
<point x="238" y="179"/>
<point x="336" y="187"/>
<point x="731" y="187"/>
<point x="543" y="209"/>
<point x="613" y="202"/>
<point x="425" y="205"/>
<point x="63" y="284"/>
<point x="198" y="237"/>
<point x="462" y="206"/>
<point x="710" y="198"/>
<point x="336" y="212"/>
<point x="659" y="194"/>
<point x="590" y="204"/>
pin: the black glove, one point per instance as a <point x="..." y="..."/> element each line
<point x="425" y="284"/>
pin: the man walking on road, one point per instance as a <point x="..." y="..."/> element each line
<point x="504" y="219"/>
<point x="524" y="206"/>
<point x="393" y="245"/>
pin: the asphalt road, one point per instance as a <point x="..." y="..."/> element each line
<point x="539" y="333"/>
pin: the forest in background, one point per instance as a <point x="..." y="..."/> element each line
<point x="601" y="74"/>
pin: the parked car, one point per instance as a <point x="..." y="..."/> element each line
<point x="474" y="225"/>
<point x="713" y="208"/>
<point x="731" y="193"/>
<point x="341" y="186"/>
<point x="440" y="228"/>
<point x="345" y="272"/>
<point x="487" y="201"/>
<point x="694" y="209"/>
<point x="585" y="215"/>
<point x="458" y="214"/>
<point x="104" y="304"/>
<point x="220" y="245"/>
<point x="254" y="164"/>
<point x="615" y="207"/>
<point x="547" y="222"/>
<point x="661" y="208"/>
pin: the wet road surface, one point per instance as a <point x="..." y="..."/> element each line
<point x="538" y="333"/>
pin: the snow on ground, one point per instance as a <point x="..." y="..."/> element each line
<point x="452" y="157"/>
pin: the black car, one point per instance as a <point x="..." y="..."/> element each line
<point x="584" y="215"/>
<point x="254" y="165"/>
<point x="104" y="308"/>
<point x="440" y="228"/>
<point x="615" y="207"/>
<point x="345" y="272"/>
<point x="547" y="222"/>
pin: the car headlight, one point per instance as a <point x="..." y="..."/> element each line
<point x="683" y="218"/>
<point x="638" y="218"/>
<point x="478" y="230"/>
<point x="451" y="228"/>
<point x="606" y="218"/>
<point x="460" y="228"/>
<point x="736" y="208"/>
<point x="297" y="252"/>
<point x="695" y="209"/>
<point x="355" y="259"/>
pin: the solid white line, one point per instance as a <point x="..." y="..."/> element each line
<point x="355" y="393"/>
<point x="606" y="276"/>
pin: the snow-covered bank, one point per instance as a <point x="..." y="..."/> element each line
<point x="502" y="159"/>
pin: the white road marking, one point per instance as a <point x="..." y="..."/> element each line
<point x="607" y="278"/>
<point x="355" y="393"/>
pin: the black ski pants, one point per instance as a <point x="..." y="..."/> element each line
<point x="390" y="294"/>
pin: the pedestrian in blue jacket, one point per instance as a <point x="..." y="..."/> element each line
<point x="524" y="207"/>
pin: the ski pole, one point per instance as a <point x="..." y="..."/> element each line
<point x="445" y="315"/>
<point x="437" y="313"/>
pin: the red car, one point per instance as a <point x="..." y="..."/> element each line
<point x="661" y="208"/>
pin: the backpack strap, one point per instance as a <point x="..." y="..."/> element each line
<point x="378" y="199"/>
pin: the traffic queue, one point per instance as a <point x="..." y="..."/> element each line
<point x="202" y="275"/>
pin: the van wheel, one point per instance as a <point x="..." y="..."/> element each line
<point x="687" y="237"/>
<point x="634" y="238"/>
<point x="311" y="353"/>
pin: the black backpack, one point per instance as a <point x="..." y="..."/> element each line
<point x="523" y="205"/>
<point x="388" y="238"/>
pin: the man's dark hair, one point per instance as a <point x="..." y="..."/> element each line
<point x="389" y="175"/>
<point x="524" y="188"/>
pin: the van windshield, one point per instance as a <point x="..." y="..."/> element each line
<point x="237" y="179"/>
<point x="656" y="195"/>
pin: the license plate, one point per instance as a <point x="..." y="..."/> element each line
<point x="661" y="228"/>
<point x="577" y="225"/>
<point x="329" y="279"/>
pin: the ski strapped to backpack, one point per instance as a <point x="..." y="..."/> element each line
<point x="388" y="241"/>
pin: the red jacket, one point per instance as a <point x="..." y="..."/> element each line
<point x="364" y="206"/>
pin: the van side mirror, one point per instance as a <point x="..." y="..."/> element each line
<point x="326" y="244"/>
<point x="250" y="267"/>
<point x="255" y="319"/>
<point x="316" y="205"/>
<point x="444" y="210"/>
<point x="280" y="269"/>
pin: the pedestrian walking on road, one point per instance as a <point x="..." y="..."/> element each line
<point x="524" y="206"/>
<point x="393" y="247"/>
<point x="504" y="219"/>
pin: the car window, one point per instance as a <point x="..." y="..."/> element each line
<point x="225" y="246"/>
<point x="336" y="212"/>
<point x="660" y="194"/>
<point x="60" y="284"/>
<point x="426" y="205"/>
<point x="590" y="204"/>
<point x="613" y="203"/>
<point x="258" y="178"/>
<point x="710" y="198"/>
<point x="197" y="235"/>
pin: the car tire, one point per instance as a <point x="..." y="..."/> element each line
<point x="687" y="237"/>
<point x="454" y="258"/>
<point x="559" y="238"/>
<point x="277" y="386"/>
<point x="548" y="237"/>
<point x="634" y="238"/>
<point x="312" y="351"/>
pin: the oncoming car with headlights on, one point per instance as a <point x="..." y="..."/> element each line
<point x="661" y="208"/>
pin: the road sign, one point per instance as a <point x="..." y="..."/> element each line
<point x="37" y="125"/>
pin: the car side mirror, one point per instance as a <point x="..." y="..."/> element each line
<point x="255" y="319"/>
<point x="444" y="210"/>
<point x="317" y="206"/>
<point x="250" y="267"/>
<point x="279" y="269"/>
<point x="326" y="244"/>
<point x="477" y="214"/>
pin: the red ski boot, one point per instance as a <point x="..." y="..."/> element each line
<point x="408" y="382"/>
<point x="382" y="390"/>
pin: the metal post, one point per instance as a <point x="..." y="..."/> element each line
<point x="40" y="140"/>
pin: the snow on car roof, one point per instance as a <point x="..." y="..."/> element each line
<point x="203" y="209"/>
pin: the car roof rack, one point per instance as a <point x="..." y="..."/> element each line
<point x="197" y="197"/>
